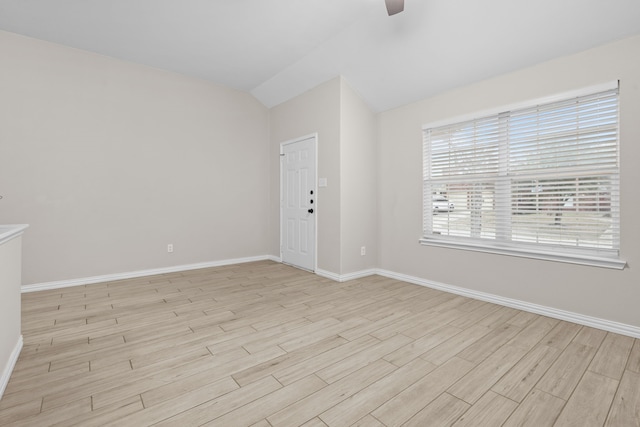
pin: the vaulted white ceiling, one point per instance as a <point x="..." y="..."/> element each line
<point x="277" y="49"/>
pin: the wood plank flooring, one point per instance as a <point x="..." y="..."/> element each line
<point x="264" y="344"/>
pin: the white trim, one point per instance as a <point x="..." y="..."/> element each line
<point x="602" y="87"/>
<point x="274" y="258"/>
<point x="328" y="274"/>
<point x="299" y="139"/>
<point x="11" y="363"/>
<point x="346" y="277"/>
<point x="11" y="231"/>
<point x="532" y="253"/>
<point x="140" y="273"/>
<point x="594" y="322"/>
<point x="358" y="275"/>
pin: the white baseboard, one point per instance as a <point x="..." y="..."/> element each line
<point x="595" y="322"/>
<point x="11" y="363"/>
<point x="328" y="274"/>
<point x="345" y="277"/>
<point x="358" y="274"/>
<point x="140" y="273"/>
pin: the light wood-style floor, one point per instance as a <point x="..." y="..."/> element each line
<point x="264" y="344"/>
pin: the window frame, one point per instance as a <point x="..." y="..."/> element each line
<point x="574" y="255"/>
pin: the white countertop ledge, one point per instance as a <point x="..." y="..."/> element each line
<point x="9" y="231"/>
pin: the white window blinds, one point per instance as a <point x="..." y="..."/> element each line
<point x="543" y="178"/>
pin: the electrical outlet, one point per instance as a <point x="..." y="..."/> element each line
<point x="170" y="247"/>
<point x="363" y="251"/>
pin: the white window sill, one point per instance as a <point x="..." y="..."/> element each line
<point x="590" y="260"/>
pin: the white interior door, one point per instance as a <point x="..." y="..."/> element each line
<point x="298" y="203"/>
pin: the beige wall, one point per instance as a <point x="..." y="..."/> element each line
<point x="10" y="253"/>
<point x="110" y="161"/>
<point x="597" y="292"/>
<point x="359" y="184"/>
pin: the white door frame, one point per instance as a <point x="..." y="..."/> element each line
<point x="313" y="136"/>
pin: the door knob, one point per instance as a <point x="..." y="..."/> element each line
<point x="310" y="211"/>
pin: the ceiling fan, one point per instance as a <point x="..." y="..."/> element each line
<point x="394" y="6"/>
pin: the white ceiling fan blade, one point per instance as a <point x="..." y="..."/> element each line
<point x="394" y="6"/>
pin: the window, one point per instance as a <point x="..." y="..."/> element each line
<point x="540" y="181"/>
